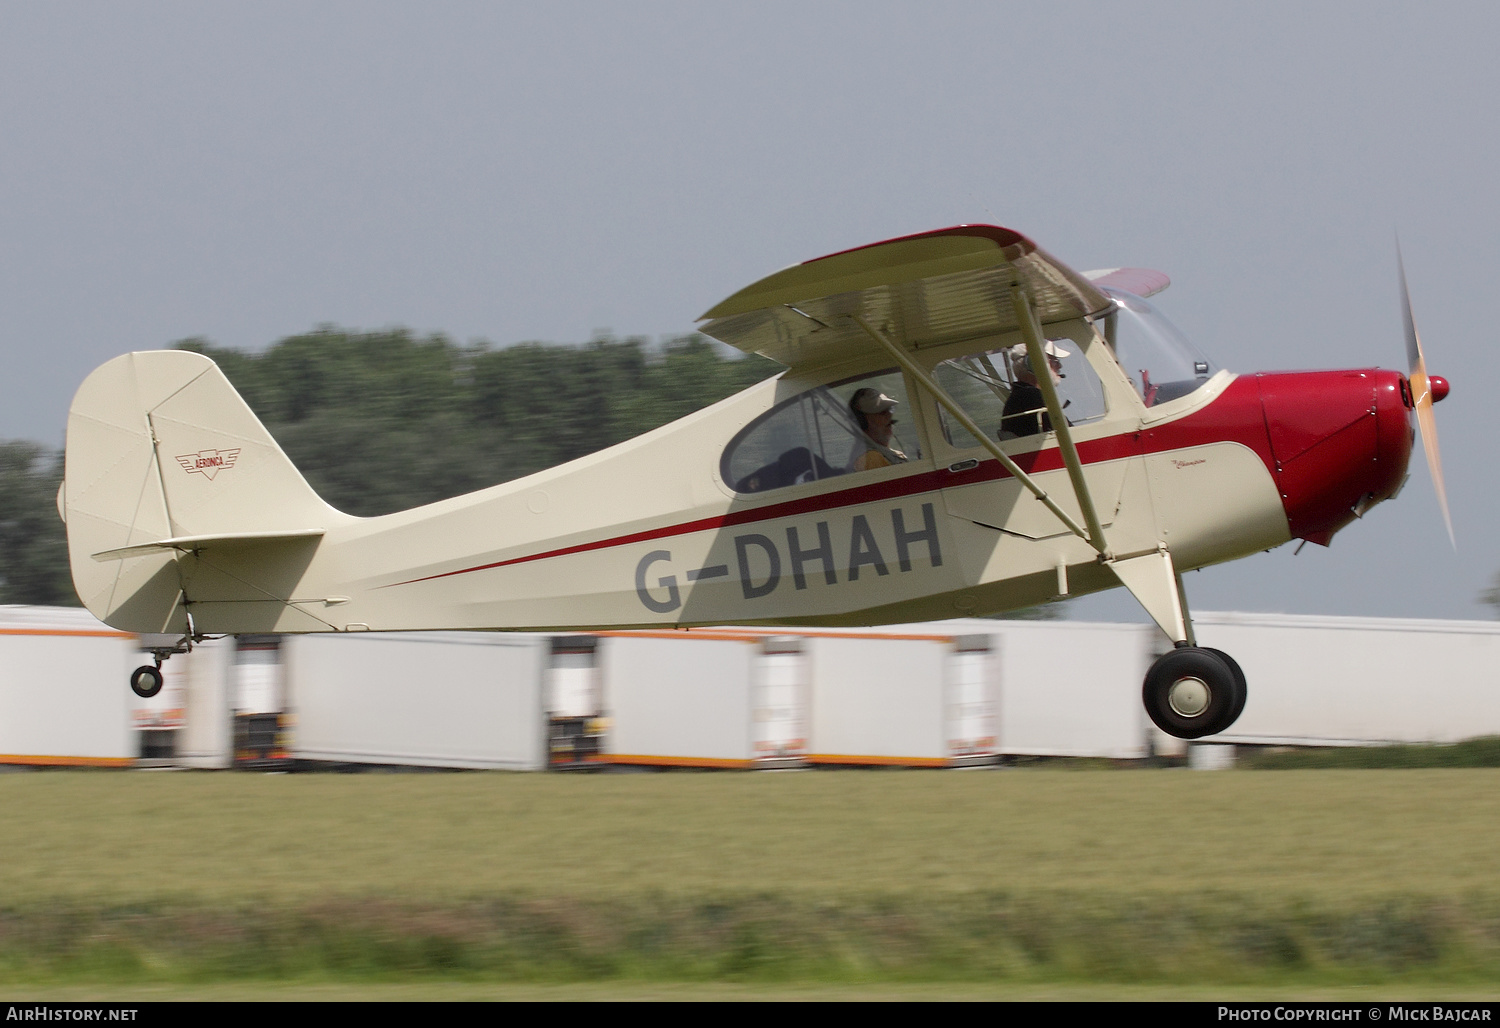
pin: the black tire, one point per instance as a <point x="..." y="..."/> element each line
<point x="145" y="681"/>
<point x="1192" y="692"/>
<point x="1239" y="675"/>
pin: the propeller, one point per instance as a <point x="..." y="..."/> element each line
<point x="1425" y="391"/>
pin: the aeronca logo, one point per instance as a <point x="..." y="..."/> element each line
<point x="208" y="462"/>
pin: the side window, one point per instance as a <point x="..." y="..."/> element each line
<point x="998" y="390"/>
<point x="857" y="425"/>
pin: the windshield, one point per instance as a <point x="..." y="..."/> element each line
<point x="1161" y="363"/>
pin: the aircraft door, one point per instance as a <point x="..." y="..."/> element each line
<point x="848" y="427"/>
<point x="997" y="389"/>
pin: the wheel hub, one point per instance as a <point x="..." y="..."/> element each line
<point x="1189" y="697"/>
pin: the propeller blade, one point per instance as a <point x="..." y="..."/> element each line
<point x="1421" y="394"/>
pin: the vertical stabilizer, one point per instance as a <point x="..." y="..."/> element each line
<point x="161" y="447"/>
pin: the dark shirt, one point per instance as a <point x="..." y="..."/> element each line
<point x="1024" y="397"/>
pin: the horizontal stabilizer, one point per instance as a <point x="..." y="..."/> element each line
<point x="204" y="542"/>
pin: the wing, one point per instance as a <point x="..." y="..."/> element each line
<point x="924" y="290"/>
<point x="1142" y="282"/>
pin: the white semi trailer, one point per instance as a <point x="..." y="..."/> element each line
<point x="737" y="697"/>
<point x="63" y="699"/>
<point x="436" y="699"/>
<point x="1337" y="681"/>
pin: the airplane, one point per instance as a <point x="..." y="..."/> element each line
<point x="965" y="426"/>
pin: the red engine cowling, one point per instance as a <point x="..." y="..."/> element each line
<point x="1340" y="441"/>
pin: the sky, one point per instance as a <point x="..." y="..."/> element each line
<point x="513" y="172"/>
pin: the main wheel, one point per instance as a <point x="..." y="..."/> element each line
<point x="1192" y="692"/>
<point x="145" y="681"/>
<point x="1239" y="677"/>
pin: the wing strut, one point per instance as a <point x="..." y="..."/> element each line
<point x="1149" y="574"/>
<point x="1032" y="333"/>
<point x="1151" y="577"/>
<point x="951" y="405"/>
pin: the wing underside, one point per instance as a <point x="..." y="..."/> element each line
<point x="922" y="291"/>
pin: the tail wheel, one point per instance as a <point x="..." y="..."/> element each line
<point x="145" y="681"/>
<point x="1192" y="692"/>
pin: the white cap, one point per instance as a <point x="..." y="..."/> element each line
<point x="1020" y="359"/>
<point x="1051" y="349"/>
<point x="872" y="401"/>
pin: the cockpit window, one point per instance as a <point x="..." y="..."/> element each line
<point x="1161" y="363"/>
<point x="857" y="425"/>
<point x="998" y="390"/>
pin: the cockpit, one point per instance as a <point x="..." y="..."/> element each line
<point x="820" y="433"/>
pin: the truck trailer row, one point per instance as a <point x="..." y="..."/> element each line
<point x="943" y="694"/>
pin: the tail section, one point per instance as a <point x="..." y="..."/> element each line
<point x="165" y="464"/>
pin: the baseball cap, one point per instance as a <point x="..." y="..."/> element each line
<point x="872" y="401"/>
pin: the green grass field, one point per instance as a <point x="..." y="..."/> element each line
<point x="1031" y="879"/>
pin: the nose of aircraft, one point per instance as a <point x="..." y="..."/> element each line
<point x="1341" y="441"/>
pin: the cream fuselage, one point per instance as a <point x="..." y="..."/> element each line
<point x="647" y="533"/>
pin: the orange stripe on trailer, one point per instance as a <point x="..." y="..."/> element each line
<point x="681" y="633"/>
<point x="104" y="633"/>
<point x="649" y="761"/>
<point x="905" y="636"/>
<point x="54" y="761"/>
<point x="756" y="635"/>
<point x="844" y="758"/>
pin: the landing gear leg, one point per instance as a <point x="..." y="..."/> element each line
<point x="1192" y="691"/>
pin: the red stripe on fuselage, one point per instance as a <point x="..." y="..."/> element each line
<point x="1234" y="416"/>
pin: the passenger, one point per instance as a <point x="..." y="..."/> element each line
<point x="1025" y="410"/>
<point x="874" y="412"/>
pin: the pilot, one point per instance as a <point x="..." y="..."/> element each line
<point x="875" y="413"/>
<point x="1025" y="409"/>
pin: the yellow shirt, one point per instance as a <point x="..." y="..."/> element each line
<point x="872" y="458"/>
